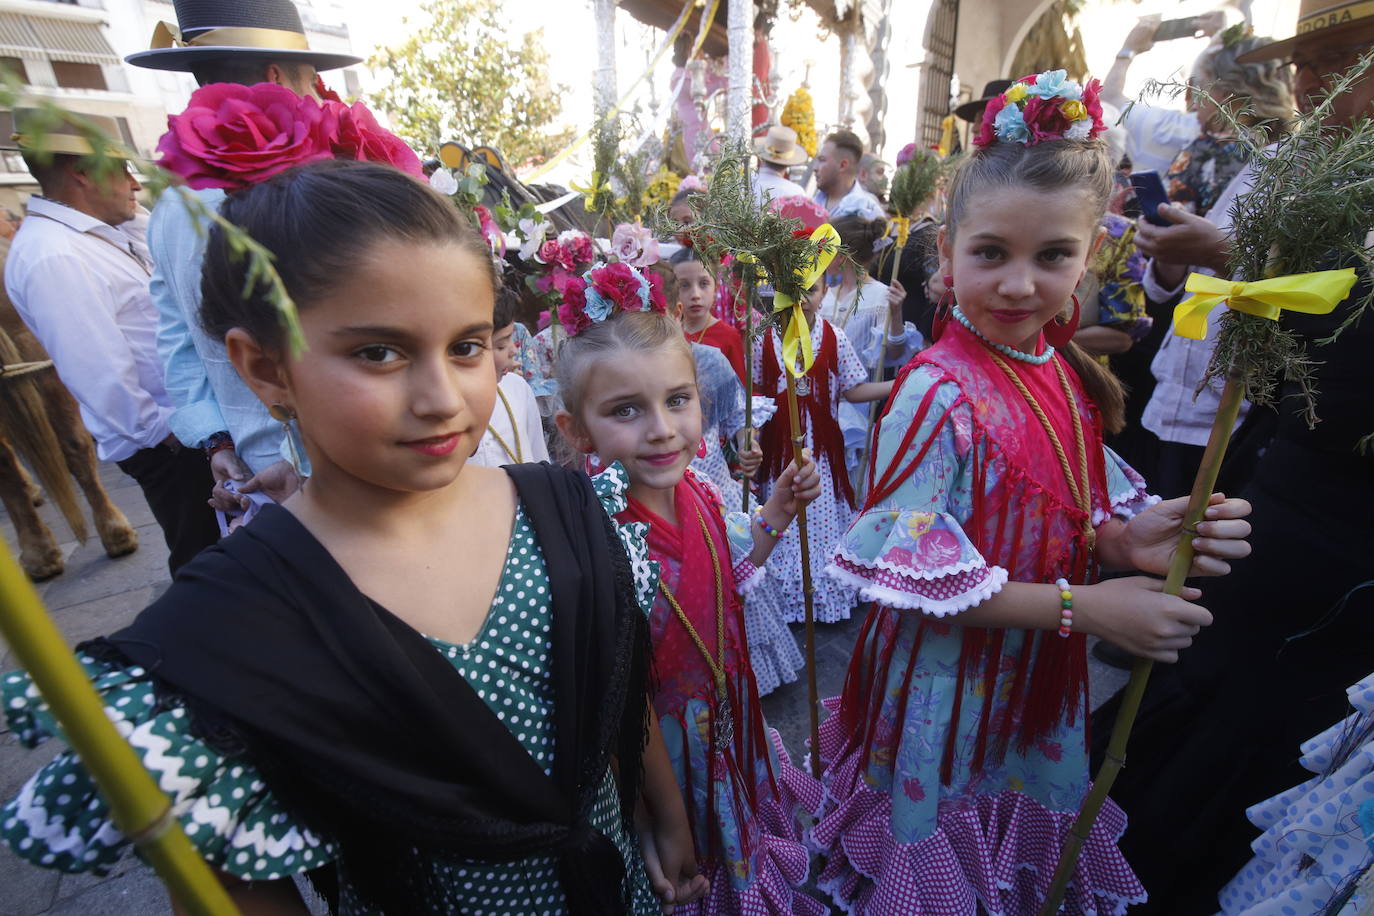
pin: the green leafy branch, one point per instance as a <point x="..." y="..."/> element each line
<point x="728" y="221"/>
<point x="1308" y="210"/>
<point x="107" y="159"/>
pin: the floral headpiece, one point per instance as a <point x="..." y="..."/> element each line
<point x="1035" y="109"/>
<point x="233" y="136"/>
<point x="602" y="292"/>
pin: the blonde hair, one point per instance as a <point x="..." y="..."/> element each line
<point x="1260" y="94"/>
<point x="1056" y="165"/>
<point x="624" y="331"/>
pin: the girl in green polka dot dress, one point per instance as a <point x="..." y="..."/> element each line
<point x="630" y="387"/>
<point x="411" y="681"/>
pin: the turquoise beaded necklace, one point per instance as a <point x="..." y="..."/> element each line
<point x="1020" y="355"/>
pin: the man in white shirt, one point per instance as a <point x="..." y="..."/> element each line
<point x="78" y="274"/>
<point x="837" y="179"/>
<point x="1154" y="135"/>
<point x="776" y="152"/>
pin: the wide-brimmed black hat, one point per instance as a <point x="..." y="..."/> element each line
<point x="972" y="111"/>
<point x="218" y="29"/>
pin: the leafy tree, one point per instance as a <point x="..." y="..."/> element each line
<point x="462" y="78"/>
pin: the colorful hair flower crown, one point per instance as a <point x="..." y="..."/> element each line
<point x="604" y="291"/>
<point x="1049" y="106"/>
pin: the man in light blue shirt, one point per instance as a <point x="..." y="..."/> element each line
<point x="213" y="408"/>
<point x="208" y="396"/>
<point x="837" y="179"/>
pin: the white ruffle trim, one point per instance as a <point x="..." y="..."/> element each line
<point x="748" y="577"/>
<point x="905" y="601"/>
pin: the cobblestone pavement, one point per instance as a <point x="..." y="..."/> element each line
<point x="97" y="595"/>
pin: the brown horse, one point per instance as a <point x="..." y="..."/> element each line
<point x="48" y="430"/>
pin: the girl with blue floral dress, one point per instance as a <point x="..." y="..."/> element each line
<point x="413" y="678"/>
<point x="955" y="759"/>
<point x="632" y="394"/>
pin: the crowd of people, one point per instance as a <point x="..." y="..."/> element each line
<point x="410" y="661"/>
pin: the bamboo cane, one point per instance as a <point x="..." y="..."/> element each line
<point x="749" y="287"/>
<point x="139" y="808"/>
<point x="808" y="588"/>
<point x="1232" y="395"/>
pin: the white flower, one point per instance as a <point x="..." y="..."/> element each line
<point x="443" y="181"/>
<point x="1079" y="130"/>
<point x="533" y="235"/>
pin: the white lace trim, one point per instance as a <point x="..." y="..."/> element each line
<point x="905" y="601"/>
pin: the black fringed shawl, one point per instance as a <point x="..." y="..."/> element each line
<point x="370" y="736"/>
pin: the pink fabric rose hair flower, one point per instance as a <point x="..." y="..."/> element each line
<point x="232" y="136"/>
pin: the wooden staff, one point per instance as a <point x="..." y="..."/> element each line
<point x="749" y="287"/>
<point x="808" y="588"/>
<point x="1232" y="395"/>
<point x="138" y="807"/>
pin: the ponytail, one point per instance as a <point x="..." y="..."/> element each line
<point x="1102" y="387"/>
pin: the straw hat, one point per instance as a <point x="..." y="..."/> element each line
<point x="973" y="111"/>
<point x="780" y="147"/>
<point x="1322" y="21"/>
<point x="218" y="29"/>
<point x="38" y="130"/>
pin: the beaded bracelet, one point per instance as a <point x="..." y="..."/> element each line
<point x="1066" y="606"/>
<point x="763" y="523"/>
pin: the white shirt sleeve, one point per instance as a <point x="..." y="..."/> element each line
<point x="532" y="430"/>
<point x="70" y="310"/>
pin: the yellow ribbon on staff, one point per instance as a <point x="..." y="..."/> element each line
<point x="598" y="184"/>
<point x="1314" y="293"/>
<point x="797" y="338"/>
<point x="903" y="230"/>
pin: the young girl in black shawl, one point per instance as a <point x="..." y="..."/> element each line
<point x="419" y="671"/>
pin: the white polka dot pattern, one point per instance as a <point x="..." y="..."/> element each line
<point x="58" y="820"/>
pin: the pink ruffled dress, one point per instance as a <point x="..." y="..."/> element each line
<point x="956" y="760"/>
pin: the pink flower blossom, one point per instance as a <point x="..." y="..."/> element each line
<point x="634" y="244"/>
<point x="1045" y="118"/>
<point x="987" y="134"/>
<point x="556" y="255"/>
<point x="622" y="285"/>
<point x="579" y="248"/>
<point x="358" y="136"/>
<point x="496" y="239"/>
<point x="1092" y="100"/>
<point x="937" y="548"/>
<point x="657" y="301"/>
<point x="233" y="136"/>
<point x="572" y="310"/>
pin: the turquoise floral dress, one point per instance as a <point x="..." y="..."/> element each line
<point x="58" y="819"/>
<point x="956" y="759"/>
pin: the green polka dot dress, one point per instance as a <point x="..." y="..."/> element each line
<point x="59" y="821"/>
